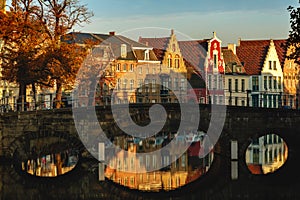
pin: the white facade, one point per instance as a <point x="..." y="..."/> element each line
<point x="236" y="87"/>
<point x="267" y="88"/>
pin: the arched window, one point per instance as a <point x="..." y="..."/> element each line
<point x="177" y="63"/>
<point x="169" y="61"/>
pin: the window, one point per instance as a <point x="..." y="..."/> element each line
<point x="176" y="84"/>
<point x="125" y="84"/>
<point x="275" y="82"/>
<point x="123" y="51"/>
<point x="169" y="61"/>
<point x="209" y="82"/>
<point x="177" y="65"/>
<point x="183" y="160"/>
<point x="124" y="67"/>
<point x="131" y="84"/>
<point x="270" y="82"/>
<point x="140" y="83"/>
<point x="215" y="61"/>
<point x="221" y="100"/>
<point x="118" y="67"/>
<point x="221" y="83"/>
<point x="147" y="57"/>
<point x="275" y="101"/>
<point x="236" y="85"/>
<point x="215" y="81"/>
<point x="229" y="85"/>
<point x="132" y="181"/>
<point x="131" y="67"/>
<point x="215" y="99"/>
<point x="236" y="99"/>
<point x="265" y="82"/>
<point x="270" y="101"/>
<point x="243" y="103"/>
<point x="243" y="85"/>
<point x="270" y="65"/>
<point x="274" y="65"/>
<point x="153" y="85"/>
<point x="147" y="84"/>
<point x="255" y="86"/>
<point x="279" y="83"/>
<point x="140" y="70"/>
<point x="119" y="84"/>
<point x="255" y="156"/>
<point x="255" y="100"/>
<point x="265" y="98"/>
<point x="182" y="84"/>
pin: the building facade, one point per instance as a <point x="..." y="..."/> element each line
<point x="201" y="63"/>
<point x="236" y="79"/>
<point x="263" y="60"/>
<point x="291" y="73"/>
<point x="173" y="71"/>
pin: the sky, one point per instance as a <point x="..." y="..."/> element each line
<point x="193" y="19"/>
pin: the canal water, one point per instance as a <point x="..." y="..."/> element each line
<point x="65" y="174"/>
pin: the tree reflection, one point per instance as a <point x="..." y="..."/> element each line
<point x="51" y="165"/>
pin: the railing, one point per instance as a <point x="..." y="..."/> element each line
<point x="233" y="98"/>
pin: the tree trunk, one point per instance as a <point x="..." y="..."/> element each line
<point x="58" y="97"/>
<point x="34" y="94"/>
<point x="21" y="101"/>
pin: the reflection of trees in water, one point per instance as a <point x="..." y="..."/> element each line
<point x="52" y="165"/>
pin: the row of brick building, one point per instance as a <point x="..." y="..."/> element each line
<point x="165" y="70"/>
<point x="150" y="70"/>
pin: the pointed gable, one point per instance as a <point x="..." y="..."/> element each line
<point x="231" y="60"/>
<point x="252" y="54"/>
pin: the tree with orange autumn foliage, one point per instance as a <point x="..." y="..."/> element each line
<point x="32" y="52"/>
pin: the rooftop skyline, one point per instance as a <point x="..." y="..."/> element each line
<point x="196" y="19"/>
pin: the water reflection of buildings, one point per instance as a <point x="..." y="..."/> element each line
<point x="130" y="169"/>
<point x="51" y="165"/>
<point x="266" y="154"/>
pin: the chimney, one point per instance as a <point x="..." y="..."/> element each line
<point x="232" y="47"/>
<point x="112" y="33"/>
<point x="239" y="41"/>
<point x="146" y="43"/>
<point x="172" y="31"/>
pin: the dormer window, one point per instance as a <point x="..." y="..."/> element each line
<point x="123" y="51"/>
<point x="147" y="57"/>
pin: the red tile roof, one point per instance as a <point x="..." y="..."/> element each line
<point x="252" y="54"/>
<point x="255" y="168"/>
